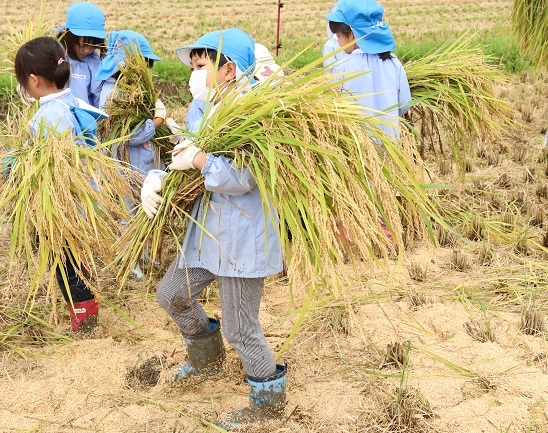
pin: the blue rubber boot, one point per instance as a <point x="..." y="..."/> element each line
<point x="206" y="353"/>
<point x="266" y="401"/>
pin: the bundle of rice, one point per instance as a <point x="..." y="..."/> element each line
<point x="320" y="163"/>
<point x="132" y="106"/>
<point x="530" y="24"/>
<point x="58" y="196"/>
<point x="454" y="93"/>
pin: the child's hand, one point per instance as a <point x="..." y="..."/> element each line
<point x="183" y="156"/>
<point x="160" y="111"/>
<point x="176" y="130"/>
<point x="150" y="199"/>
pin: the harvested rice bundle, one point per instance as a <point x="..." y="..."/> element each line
<point x="324" y="167"/>
<point x="455" y="100"/>
<point x="530" y="24"/>
<point x="58" y="196"/>
<point x="133" y="105"/>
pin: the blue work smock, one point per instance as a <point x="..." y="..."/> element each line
<point x="332" y="44"/>
<point x="194" y="115"/>
<point x="241" y="241"/>
<point x="142" y="156"/>
<point x="82" y="83"/>
<point x="54" y="112"/>
<point x="386" y="85"/>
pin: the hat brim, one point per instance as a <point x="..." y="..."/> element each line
<point x="184" y="52"/>
<point x="100" y="34"/>
<point x="335" y="16"/>
<point x="107" y="67"/>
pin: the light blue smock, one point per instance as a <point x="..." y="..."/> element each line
<point x="242" y="241"/>
<point x="332" y="44"/>
<point x="194" y="115"/>
<point x="54" y="112"/>
<point x="82" y="83"/>
<point x="142" y="156"/>
<point x="387" y="79"/>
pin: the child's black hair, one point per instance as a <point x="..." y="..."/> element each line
<point x="44" y="57"/>
<point x="343" y="28"/>
<point x="70" y="41"/>
<point x="346" y="30"/>
<point x="210" y="54"/>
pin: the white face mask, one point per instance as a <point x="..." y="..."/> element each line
<point x="198" y="87"/>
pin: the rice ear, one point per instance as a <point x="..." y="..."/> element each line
<point x="320" y="162"/>
<point x="59" y="197"/>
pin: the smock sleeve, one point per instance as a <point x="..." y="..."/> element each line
<point x="223" y="177"/>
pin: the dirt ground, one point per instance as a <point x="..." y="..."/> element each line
<point x="444" y="351"/>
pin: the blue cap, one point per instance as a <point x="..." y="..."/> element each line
<point x="118" y="43"/>
<point x="85" y="19"/>
<point x="234" y="44"/>
<point x="365" y="19"/>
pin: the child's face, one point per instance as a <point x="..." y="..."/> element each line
<point x="82" y="49"/>
<point x="225" y="73"/>
<point x="345" y="39"/>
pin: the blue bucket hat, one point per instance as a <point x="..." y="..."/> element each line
<point x="85" y="19"/>
<point x="118" y="42"/>
<point x="365" y="19"/>
<point x="235" y="44"/>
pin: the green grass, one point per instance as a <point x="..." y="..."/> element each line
<point x="172" y="76"/>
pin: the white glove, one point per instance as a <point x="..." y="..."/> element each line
<point x="160" y="110"/>
<point x="183" y="155"/>
<point x="176" y="130"/>
<point x="150" y="199"/>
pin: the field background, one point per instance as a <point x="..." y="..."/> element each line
<point x="452" y="316"/>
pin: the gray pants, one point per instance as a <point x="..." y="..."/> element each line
<point x="240" y="301"/>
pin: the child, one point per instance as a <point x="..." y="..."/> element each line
<point x="386" y="84"/>
<point x="82" y="35"/>
<point x="265" y="66"/>
<point x="332" y="44"/>
<point x="142" y="156"/>
<point x="43" y="72"/>
<point x="239" y="250"/>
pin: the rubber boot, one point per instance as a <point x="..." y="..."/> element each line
<point x="206" y="353"/>
<point x="84" y="315"/>
<point x="266" y="401"/>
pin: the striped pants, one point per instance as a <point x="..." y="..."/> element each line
<point x="240" y="300"/>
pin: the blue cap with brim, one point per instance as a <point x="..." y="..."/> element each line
<point x="118" y="43"/>
<point x="235" y="44"/>
<point x="365" y="18"/>
<point x="85" y="19"/>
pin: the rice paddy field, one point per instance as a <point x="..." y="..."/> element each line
<point x="445" y="338"/>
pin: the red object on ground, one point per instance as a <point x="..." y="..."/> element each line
<point x="84" y="315"/>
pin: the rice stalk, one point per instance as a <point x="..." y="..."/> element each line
<point x="131" y="104"/>
<point x="317" y="160"/>
<point x="530" y="24"/>
<point x="36" y="26"/>
<point x="455" y="101"/>
<point x="58" y="196"/>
